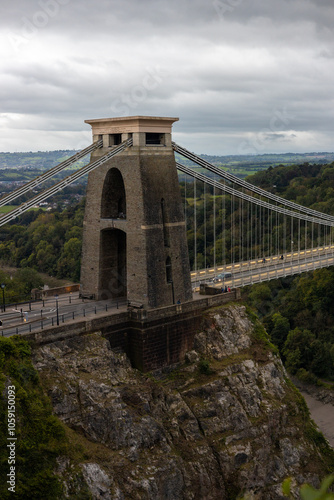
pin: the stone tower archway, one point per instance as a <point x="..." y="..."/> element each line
<point x="134" y="221"/>
<point x="113" y="199"/>
<point x="112" y="264"/>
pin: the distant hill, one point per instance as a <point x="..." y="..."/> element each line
<point x="25" y="166"/>
<point x="244" y="165"/>
<point x="41" y="160"/>
<point x="19" y="168"/>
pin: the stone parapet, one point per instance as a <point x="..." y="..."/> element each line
<point x="152" y="339"/>
<point x="37" y="294"/>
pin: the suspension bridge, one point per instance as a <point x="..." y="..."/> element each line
<point x="236" y="230"/>
<point x="261" y="236"/>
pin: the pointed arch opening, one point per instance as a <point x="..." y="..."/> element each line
<point x="113" y="268"/>
<point x="113" y="202"/>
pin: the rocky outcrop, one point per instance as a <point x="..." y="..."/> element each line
<point x="226" y="423"/>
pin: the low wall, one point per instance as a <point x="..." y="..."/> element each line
<point x="204" y="303"/>
<point x="37" y="294"/>
<point x="75" y="328"/>
<point x="210" y="290"/>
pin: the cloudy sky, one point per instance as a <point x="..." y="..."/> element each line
<point x="243" y="76"/>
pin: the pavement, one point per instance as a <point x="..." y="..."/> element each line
<point x="33" y="316"/>
<point x="37" y="315"/>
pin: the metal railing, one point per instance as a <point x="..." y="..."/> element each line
<point x="46" y="320"/>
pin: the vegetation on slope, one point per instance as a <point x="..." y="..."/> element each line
<point x="299" y="317"/>
<point x="47" y="242"/>
<point x="44" y="444"/>
<point x="40" y="435"/>
<point x="298" y="311"/>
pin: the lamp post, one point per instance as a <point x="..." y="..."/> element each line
<point x="56" y="297"/>
<point x="3" y="286"/>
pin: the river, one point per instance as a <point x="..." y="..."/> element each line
<point x="321" y="412"/>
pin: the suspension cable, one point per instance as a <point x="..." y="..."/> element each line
<point x="254" y="189"/>
<point x="254" y="200"/>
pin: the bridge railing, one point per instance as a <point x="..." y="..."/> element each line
<point x="43" y="322"/>
<point x="315" y="258"/>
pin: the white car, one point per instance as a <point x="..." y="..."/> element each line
<point x="221" y="277"/>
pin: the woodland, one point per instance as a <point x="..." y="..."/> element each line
<point x="297" y="311"/>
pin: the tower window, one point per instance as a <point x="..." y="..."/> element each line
<point x="154" y="139"/>
<point x="115" y="139"/>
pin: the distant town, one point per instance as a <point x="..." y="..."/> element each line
<point x="17" y="169"/>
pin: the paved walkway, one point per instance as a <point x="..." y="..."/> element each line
<point x="54" y="311"/>
<point x="33" y="316"/>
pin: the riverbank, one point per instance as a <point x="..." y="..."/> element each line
<point x="321" y="405"/>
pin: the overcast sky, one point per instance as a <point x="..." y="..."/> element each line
<point x="243" y="76"/>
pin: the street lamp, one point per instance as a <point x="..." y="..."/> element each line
<point x="3" y="286"/>
<point x="56" y="297"/>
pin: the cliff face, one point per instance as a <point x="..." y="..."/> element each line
<point x="227" y="423"/>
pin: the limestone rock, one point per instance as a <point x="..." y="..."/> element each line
<point x="97" y="481"/>
<point x="226" y="423"/>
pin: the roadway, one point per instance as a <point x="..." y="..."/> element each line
<point x="254" y="271"/>
<point x="34" y="316"/>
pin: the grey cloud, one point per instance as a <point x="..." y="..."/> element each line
<point x="161" y="16"/>
<point x="273" y="137"/>
<point x="224" y="75"/>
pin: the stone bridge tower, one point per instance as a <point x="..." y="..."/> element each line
<point x="134" y="238"/>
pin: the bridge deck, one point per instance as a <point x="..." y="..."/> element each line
<point x="254" y="271"/>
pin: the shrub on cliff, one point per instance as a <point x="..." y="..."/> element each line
<point x="26" y="422"/>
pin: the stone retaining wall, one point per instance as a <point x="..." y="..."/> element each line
<point x="151" y="338"/>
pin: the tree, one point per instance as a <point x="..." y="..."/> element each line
<point x="26" y="279"/>
<point x="322" y="363"/>
<point x="280" y="330"/>
<point x="307" y="492"/>
<point x="260" y="297"/>
<point x="298" y="349"/>
<point x="70" y="259"/>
